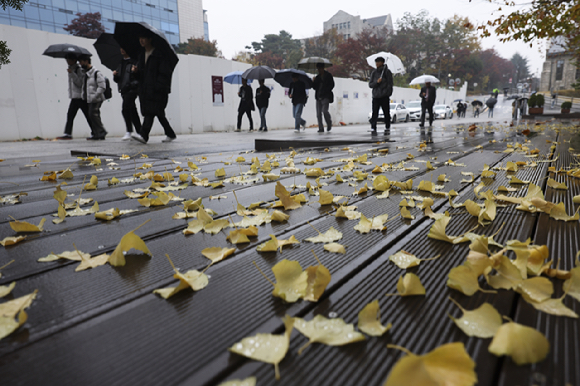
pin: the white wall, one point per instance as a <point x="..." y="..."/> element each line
<point x="34" y="95"/>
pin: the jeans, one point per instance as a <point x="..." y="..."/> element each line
<point x="322" y="109"/>
<point x="96" y="124"/>
<point x="241" y="113"/>
<point x="385" y="104"/>
<point x="297" y="114"/>
<point x="263" y="117"/>
<point x="74" y="106"/>
<point x="490" y="112"/>
<point x="130" y="113"/>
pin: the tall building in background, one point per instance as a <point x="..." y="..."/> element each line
<point x="178" y="19"/>
<point x="349" y="26"/>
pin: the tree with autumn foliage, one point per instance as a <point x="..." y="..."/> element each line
<point x="87" y="25"/>
<point x="198" y="46"/>
<point x="324" y="46"/>
<point x="353" y="52"/>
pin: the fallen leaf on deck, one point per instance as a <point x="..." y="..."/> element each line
<point x="318" y="279"/>
<point x="369" y="320"/>
<point x="404" y="260"/>
<point x="291" y="281"/>
<point x="93" y="184"/>
<point x="25" y="227"/>
<point x="483" y="322"/>
<point x="6" y="289"/>
<point x="409" y="285"/>
<point x="552" y="183"/>
<point x="523" y="344"/>
<point x="465" y="280"/>
<point x="335" y="248"/>
<point x="274" y="244"/>
<point x="406" y="214"/>
<point x="191" y="279"/>
<point x="329" y="236"/>
<point x="128" y="241"/>
<point x="287" y="201"/>
<point x="10" y="310"/>
<point x="11" y="240"/>
<point x="250" y="381"/>
<point x="331" y="332"/>
<point x="108" y="215"/>
<point x="279" y="216"/>
<point x="216" y="254"/>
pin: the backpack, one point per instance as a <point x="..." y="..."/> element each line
<point x="108" y="94"/>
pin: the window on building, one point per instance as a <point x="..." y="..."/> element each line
<point x="577" y="73"/>
<point x="348" y="25"/>
<point x="559" y="69"/>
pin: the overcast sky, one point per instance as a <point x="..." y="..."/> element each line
<point x="235" y="23"/>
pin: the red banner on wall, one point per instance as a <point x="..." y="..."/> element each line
<point x="217" y="90"/>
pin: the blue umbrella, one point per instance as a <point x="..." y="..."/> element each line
<point x="235" y="77"/>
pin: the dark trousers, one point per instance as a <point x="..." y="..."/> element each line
<point x="429" y="108"/>
<point x="385" y="104"/>
<point x="96" y="124"/>
<point x="148" y="123"/>
<point x="130" y="113"/>
<point x="241" y="113"/>
<point x="322" y="109"/>
<point x="263" y="124"/>
<point x="74" y="106"/>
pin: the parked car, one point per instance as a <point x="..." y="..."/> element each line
<point x="513" y="96"/>
<point x="442" y="112"/>
<point x="414" y="109"/>
<point x="397" y="111"/>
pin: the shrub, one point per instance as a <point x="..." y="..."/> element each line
<point x="532" y="101"/>
<point x="540" y="100"/>
<point x="566" y="105"/>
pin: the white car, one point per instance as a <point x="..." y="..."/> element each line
<point x="414" y="109"/>
<point x="397" y="111"/>
<point x="442" y="112"/>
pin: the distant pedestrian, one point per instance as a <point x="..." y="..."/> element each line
<point x="246" y="105"/>
<point x="428" y="95"/>
<point x="262" y="101"/>
<point x="323" y="84"/>
<point x="464" y="110"/>
<point x="75" y="93"/>
<point x="490" y="112"/>
<point x="94" y="85"/>
<point x="476" y="112"/>
<point x="154" y="72"/>
<point x="490" y="103"/>
<point x="554" y="99"/>
<point x="297" y="92"/>
<point x="381" y="82"/>
<point x="128" y="88"/>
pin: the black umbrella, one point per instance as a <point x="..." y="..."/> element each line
<point x="61" y="50"/>
<point x="312" y="62"/>
<point x="259" y="73"/>
<point x="108" y="50"/>
<point x="476" y="103"/>
<point x="127" y="35"/>
<point x="491" y="102"/>
<point x="284" y="77"/>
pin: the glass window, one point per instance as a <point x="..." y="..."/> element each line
<point x="127" y="5"/>
<point x="155" y="13"/>
<point x="117" y="15"/>
<point x="163" y="3"/>
<point x="59" y="18"/>
<point x="577" y="73"/>
<point x="72" y="5"/>
<point x="559" y="69"/>
<point x="48" y="27"/>
<point x="31" y="13"/>
<point x="31" y="25"/>
<point x="109" y="26"/>
<point x="106" y="3"/>
<point x="172" y="5"/>
<point x="4" y="19"/>
<point x="18" y="23"/>
<point x="58" y="4"/>
<point x="44" y="2"/>
<point x="164" y="26"/>
<point x="157" y="24"/>
<point x="46" y="15"/>
<point x="106" y="13"/>
<point x="69" y="18"/>
<point x="174" y="28"/>
<point x="173" y="17"/>
<point x="137" y="9"/>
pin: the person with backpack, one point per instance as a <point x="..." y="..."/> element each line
<point x="127" y="85"/>
<point x="94" y="87"/>
<point x="381" y="81"/>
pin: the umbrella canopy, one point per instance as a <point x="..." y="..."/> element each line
<point x="127" y="35"/>
<point x="259" y="73"/>
<point x="109" y="51"/>
<point x="491" y="102"/>
<point x="284" y="77"/>
<point x="60" y="50"/>
<point x="424" y="79"/>
<point x="235" y="77"/>
<point x="457" y="100"/>
<point x="476" y="103"/>
<point x="311" y="63"/>
<point x="392" y="62"/>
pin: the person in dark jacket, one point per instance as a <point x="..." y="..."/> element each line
<point x="428" y="95"/>
<point x="246" y="105"/>
<point x="127" y="85"/>
<point x="297" y="92"/>
<point x="323" y="84"/>
<point x="262" y="97"/>
<point x="381" y="82"/>
<point x="154" y="72"/>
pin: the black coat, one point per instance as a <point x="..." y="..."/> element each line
<point x="154" y="82"/>
<point x="125" y="79"/>
<point x="385" y="88"/>
<point x="246" y="99"/>
<point x="298" y="92"/>
<point x="324" y="86"/>
<point x="262" y="96"/>
<point x="432" y="96"/>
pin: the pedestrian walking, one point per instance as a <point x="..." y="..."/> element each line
<point x="94" y="85"/>
<point x="128" y="88"/>
<point x="476" y="112"/>
<point x="490" y="103"/>
<point x="154" y="71"/>
<point x="246" y="105"/>
<point x="428" y="95"/>
<point x="323" y="83"/>
<point x="297" y="92"/>
<point x="381" y="82"/>
<point x="262" y="99"/>
<point x="75" y="94"/>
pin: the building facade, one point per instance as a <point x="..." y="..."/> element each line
<point x="349" y="26"/>
<point x="559" y="71"/>
<point x="178" y="19"/>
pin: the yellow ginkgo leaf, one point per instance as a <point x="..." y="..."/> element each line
<point x="92" y="262"/>
<point x="250" y="381"/>
<point x="516" y="181"/>
<point x="472" y="208"/>
<point x="349" y="214"/>
<point x="67" y="255"/>
<point x="523" y="344"/>
<point x="483" y="322"/>
<point x="335" y="248"/>
<point x="128" y="241"/>
<point x="437" y="230"/>
<point x="193" y="227"/>
<point x="66" y="175"/>
<point x="287" y="201"/>
<point x="508" y="275"/>
<point x="364" y="226"/>
<point x="240" y="236"/>
<point x="329" y="236"/>
<point x="191" y="279"/>
<point x="464" y="280"/>
<point x="10" y="310"/>
<point x="506" y="189"/>
<point x="404" y="260"/>
<point x="266" y="348"/>
<point x="326" y="198"/>
<point x="537" y="289"/>
<point x="291" y="281"/>
<point x="318" y="279"/>
<point x="409" y="285"/>
<point x="558" y="212"/>
<point x="369" y="320"/>
<point x="25" y="227"/>
<point x="447" y="365"/>
<point x="50" y="177"/>
<point x="572" y="285"/>
<point x="551" y="306"/>
<point x="331" y="332"/>
<point x="552" y="183"/>
<point x="215" y="226"/>
<point x="274" y="244"/>
<point x="93" y="184"/>
<point x="108" y="215"/>
<point x="406" y="214"/>
<point x="6" y="289"/>
<point x="279" y="216"/>
<point x="216" y="254"/>
<point x="220" y="172"/>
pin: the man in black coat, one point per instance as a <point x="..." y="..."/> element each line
<point x="246" y="105"/>
<point x="381" y="82"/>
<point x="428" y="95"/>
<point x="323" y="84"/>
<point x="127" y="85"/>
<point x="262" y="101"/>
<point x="154" y="71"/>
<point x="297" y="92"/>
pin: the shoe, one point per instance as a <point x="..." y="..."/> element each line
<point x="260" y="129"/>
<point x="421" y="125"/>
<point x="138" y="138"/>
<point x="168" y="139"/>
<point x="373" y="132"/>
<point x="297" y="130"/>
<point x="265" y="130"/>
<point x="92" y="138"/>
<point x="126" y="137"/>
<point x="304" y="126"/>
<point x="387" y="132"/>
<point x="321" y="131"/>
<point x="328" y="129"/>
<point x="64" y="137"/>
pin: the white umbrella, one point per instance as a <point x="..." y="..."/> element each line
<point x="392" y="62"/>
<point x="424" y="79"/>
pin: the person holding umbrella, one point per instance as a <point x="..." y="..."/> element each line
<point x="297" y="92"/>
<point x="128" y="88"/>
<point x="323" y="83"/>
<point x="94" y="94"/>
<point x="381" y="82"/>
<point x="246" y="105"/>
<point x="75" y="93"/>
<point x="428" y="95"/>
<point x="262" y="100"/>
